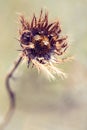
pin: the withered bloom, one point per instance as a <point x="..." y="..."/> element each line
<point x="42" y="43"/>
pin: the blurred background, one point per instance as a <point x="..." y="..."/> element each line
<point x="44" y="105"/>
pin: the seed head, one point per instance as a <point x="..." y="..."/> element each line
<point x="42" y="43"/>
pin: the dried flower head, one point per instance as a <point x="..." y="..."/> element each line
<point x="42" y="43"/>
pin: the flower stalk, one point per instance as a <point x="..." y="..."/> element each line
<point x="11" y="94"/>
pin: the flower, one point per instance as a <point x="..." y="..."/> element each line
<point x="42" y="43"/>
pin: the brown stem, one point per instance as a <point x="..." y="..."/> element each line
<point x="10" y="93"/>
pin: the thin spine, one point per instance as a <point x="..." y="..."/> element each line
<point x="11" y="94"/>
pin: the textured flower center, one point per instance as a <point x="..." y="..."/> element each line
<point x="42" y="45"/>
<point x="38" y="45"/>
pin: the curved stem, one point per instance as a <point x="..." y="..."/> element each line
<point x="10" y="93"/>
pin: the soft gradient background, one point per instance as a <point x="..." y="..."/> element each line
<point x="44" y="105"/>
